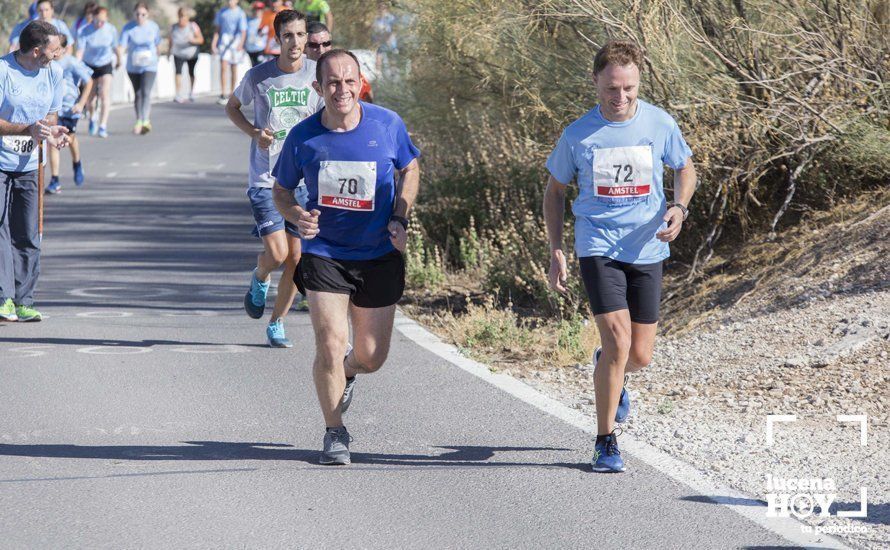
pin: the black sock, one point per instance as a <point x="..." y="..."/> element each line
<point x="601" y="438"/>
<point x="335" y="428"/>
<point x="350" y="378"/>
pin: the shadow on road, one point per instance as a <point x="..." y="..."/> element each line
<point x="460" y="455"/>
<point x="111" y="342"/>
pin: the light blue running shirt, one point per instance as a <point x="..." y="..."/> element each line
<point x="97" y="44"/>
<point x="256" y="40"/>
<point x="60" y="26"/>
<point x="25" y="98"/>
<point x="619" y="170"/>
<point x="230" y="21"/>
<point x="74" y="74"/>
<point x="141" y="42"/>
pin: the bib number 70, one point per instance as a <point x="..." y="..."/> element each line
<point x="351" y="185"/>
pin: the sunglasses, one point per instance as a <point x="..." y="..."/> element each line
<point x="316" y="45"/>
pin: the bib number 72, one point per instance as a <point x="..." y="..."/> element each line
<point x="623" y="172"/>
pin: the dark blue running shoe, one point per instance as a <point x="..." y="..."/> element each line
<point x="78" y="173"/>
<point x="255" y="299"/>
<point x="606" y="456"/>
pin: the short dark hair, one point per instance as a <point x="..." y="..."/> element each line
<point x="50" y="2"/>
<point x="316" y="27"/>
<point x="63" y="40"/>
<point x="284" y="17"/>
<point x="618" y="52"/>
<point x="319" y="65"/>
<point x="36" y="34"/>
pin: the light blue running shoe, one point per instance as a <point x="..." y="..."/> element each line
<point x="606" y="456"/>
<point x="623" y="410"/>
<point x="94" y="127"/>
<point x="255" y="299"/>
<point x="275" y="335"/>
<point x="103" y="132"/>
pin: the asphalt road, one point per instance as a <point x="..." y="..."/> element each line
<point x="146" y="411"/>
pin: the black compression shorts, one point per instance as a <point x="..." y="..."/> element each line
<point x="612" y="286"/>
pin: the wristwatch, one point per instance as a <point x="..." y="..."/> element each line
<point x="403" y="221"/>
<point x="681" y="207"/>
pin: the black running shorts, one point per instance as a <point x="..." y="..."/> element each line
<point x="612" y="286"/>
<point x="101" y="70"/>
<point x="370" y="283"/>
<point x="69" y="123"/>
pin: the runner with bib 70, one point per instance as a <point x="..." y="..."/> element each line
<point x="362" y="177"/>
<point x="623" y="224"/>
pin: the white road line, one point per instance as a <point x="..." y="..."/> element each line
<point x="787" y="528"/>
<point x="110" y="175"/>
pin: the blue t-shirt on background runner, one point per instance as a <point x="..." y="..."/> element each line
<point x="60" y="26"/>
<point x="619" y="168"/>
<point x="75" y="73"/>
<point x="97" y="44"/>
<point x="141" y="42"/>
<point x="25" y="98"/>
<point x="230" y="21"/>
<point x="350" y="179"/>
<point x="256" y="40"/>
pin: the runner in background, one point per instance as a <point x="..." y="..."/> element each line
<point x="319" y="42"/>
<point x="316" y="10"/>
<point x="267" y="27"/>
<point x="86" y="17"/>
<point x="282" y="95"/>
<point x="256" y="36"/>
<point x="229" y="36"/>
<point x="45" y="12"/>
<point x="77" y="83"/>
<point x="185" y="37"/>
<point x="97" y="47"/>
<point x="30" y="98"/>
<point x="140" y="39"/>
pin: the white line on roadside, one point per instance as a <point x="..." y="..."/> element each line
<point x="110" y="175"/>
<point x="742" y="504"/>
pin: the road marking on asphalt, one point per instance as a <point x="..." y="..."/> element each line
<point x="227" y="348"/>
<point x="114" y="350"/>
<point x="115" y="292"/>
<point x="110" y="175"/>
<point x="194" y="313"/>
<point x="742" y="504"/>
<point x="104" y="314"/>
<point x="31" y="351"/>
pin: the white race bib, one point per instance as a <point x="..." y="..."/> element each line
<point x="143" y="58"/>
<point x="347" y="184"/>
<point x="20" y="145"/>
<point x="623" y="172"/>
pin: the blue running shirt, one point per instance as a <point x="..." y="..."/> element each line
<point x="141" y="42"/>
<point x="75" y="73"/>
<point x="230" y="21"/>
<point x="97" y="44"/>
<point x="25" y="98"/>
<point x="619" y="170"/>
<point x="350" y="178"/>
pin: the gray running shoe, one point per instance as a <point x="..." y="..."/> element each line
<point x="350" y="384"/>
<point x="336" y="446"/>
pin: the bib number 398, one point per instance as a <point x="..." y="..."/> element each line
<point x="623" y="172"/>
<point x="347" y="184"/>
<point x="20" y="145"/>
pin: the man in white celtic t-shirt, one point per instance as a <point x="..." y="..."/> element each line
<point x="615" y="153"/>
<point x="282" y="94"/>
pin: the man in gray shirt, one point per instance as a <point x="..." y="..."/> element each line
<point x="282" y="96"/>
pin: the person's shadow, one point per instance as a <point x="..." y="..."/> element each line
<point x="460" y="455"/>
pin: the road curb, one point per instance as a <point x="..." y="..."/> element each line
<point x="740" y="503"/>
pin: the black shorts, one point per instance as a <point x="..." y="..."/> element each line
<point x="70" y="123"/>
<point x="612" y="286"/>
<point x="370" y="283"/>
<point x="178" y="62"/>
<point x="101" y="71"/>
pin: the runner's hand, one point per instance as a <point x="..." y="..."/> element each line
<point x="307" y="225"/>
<point x="40" y="130"/>
<point x="77" y="109"/>
<point x="397" y="235"/>
<point x="674" y="219"/>
<point x="559" y="273"/>
<point x="265" y="138"/>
